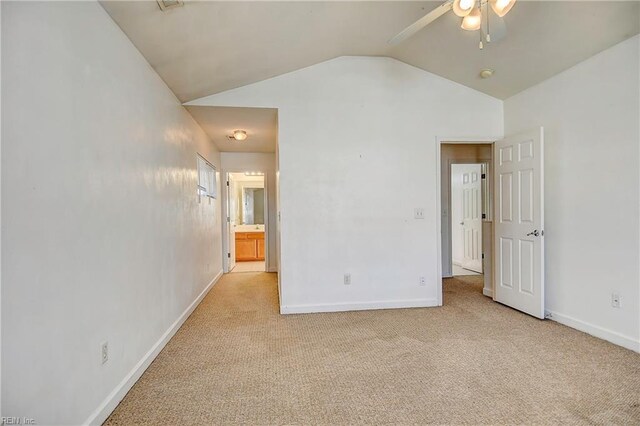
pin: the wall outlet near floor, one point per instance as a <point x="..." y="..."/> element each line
<point x="422" y="281"/>
<point x="104" y="352"/>
<point x="347" y="279"/>
<point x="418" y="213"/>
<point x="616" y="300"/>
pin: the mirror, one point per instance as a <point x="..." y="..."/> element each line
<point x="253" y="206"/>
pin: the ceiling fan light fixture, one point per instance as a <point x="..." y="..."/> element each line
<point x="238" y="135"/>
<point x="463" y="7"/>
<point x="501" y="7"/>
<point x="472" y="21"/>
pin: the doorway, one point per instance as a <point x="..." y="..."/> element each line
<point x="466" y="216"/>
<point x="247" y="211"/>
<point x="515" y="234"/>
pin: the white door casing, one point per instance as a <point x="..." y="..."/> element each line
<point x="519" y="222"/>
<point x="472" y="220"/>
<point x="231" y="222"/>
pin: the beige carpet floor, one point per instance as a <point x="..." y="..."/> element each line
<point x="473" y="361"/>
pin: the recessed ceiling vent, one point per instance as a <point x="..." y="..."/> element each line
<point x="169" y="4"/>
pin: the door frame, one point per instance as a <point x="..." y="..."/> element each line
<point x="439" y="142"/>
<point x="226" y="262"/>
<point x="225" y="219"/>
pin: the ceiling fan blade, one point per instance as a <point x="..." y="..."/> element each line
<point x="421" y="23"/>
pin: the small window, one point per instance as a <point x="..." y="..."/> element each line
<point x="207" y="183"/>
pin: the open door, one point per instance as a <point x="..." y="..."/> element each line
<point x="519" y="223"/>
<point x="231" y="223"/>
<point x="472" y="220"/>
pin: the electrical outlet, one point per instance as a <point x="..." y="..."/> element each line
<point x="616" y="300"/>
<point x="418" y="213"/>
<point x="423" y="281"/>
<point x="104" y="350"/>
<point x="347" y="279"/>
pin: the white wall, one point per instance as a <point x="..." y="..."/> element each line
<point x="350" y="129"/>
<point x="257" y="162"/>
<point x="103" y="237"/>
<point x="1" y="411"/>
<point x="591" y="116"/>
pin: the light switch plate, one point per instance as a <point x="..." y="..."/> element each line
<point x="418" y="213"/>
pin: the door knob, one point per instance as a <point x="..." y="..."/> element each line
<point x="535" y="233"/>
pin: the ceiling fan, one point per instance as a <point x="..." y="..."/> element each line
<point x="472" y="20"/>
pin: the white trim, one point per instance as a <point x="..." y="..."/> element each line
<point x="488" y="292"/>
<point x="113" y="399"/>
<point x="359" y="306"/>
<point x="594" y="330"/>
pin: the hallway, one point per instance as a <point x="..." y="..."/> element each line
<point x="237" y="361"/>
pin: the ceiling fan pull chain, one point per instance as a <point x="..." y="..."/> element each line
<point x="486" y="7"/>
<point x="481" y="46"/>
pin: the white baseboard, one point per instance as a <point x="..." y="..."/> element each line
<point x="113" y="399"/>
<point x="359" y="306"/>
<point x="594" y="330"/>
<point x="272" y="269"/>
<point x="487" y="292"/>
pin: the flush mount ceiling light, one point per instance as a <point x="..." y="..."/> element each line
<point x="253" y="174"/>
<point x="486" y="73"/>
<point x="238" y="135"/>
<point x="474" y="14"/>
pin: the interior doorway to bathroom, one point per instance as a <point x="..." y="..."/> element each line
<point x="247" y="210"/>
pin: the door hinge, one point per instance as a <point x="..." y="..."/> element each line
<point x="227" y="183"/>
<point x="229" y="255"/>
<point x="228" y="219"/>
<point x="483" y="255"/>
<point x="483" y="176"/>
<point x="484" y="216"/>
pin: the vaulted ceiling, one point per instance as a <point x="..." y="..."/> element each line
<point x="204" y="48"/>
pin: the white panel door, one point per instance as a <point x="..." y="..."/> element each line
<point x="472" y="220"/>
<point x="519" y="223"/>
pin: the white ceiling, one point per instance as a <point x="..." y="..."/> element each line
<point x="219" y="122"/>
<point x="209" y="47"/>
